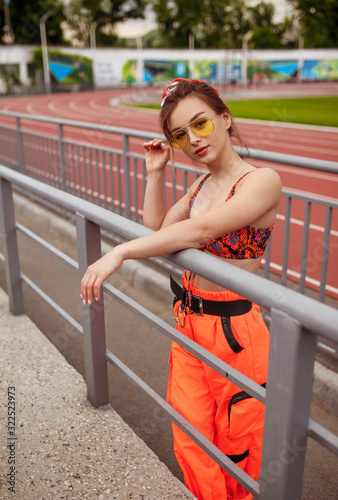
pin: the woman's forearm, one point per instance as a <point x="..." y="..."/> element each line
<point x="153" y="207"/>
<point x="167" y="240"/>
<point x="170" y="239"/>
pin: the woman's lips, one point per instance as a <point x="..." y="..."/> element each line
<point x="201" y="151"/>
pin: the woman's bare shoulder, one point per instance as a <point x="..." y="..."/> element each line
<point x="265" y="176"/>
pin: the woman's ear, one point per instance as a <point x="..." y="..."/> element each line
<point x="227" y="119"/>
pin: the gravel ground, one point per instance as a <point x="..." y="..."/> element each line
<point x="62" y="447"/>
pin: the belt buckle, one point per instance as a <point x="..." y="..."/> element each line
<point x="200" y="305"/>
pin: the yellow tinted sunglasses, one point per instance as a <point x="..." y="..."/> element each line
<point x="201" y="126"/>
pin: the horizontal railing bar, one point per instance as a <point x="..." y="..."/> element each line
<point x="331" y="202"/>
<point x="96" y="147"/>
<point x="77" y="124"/>
<point x="52" y="303"/>
<point x="285" y="159"/>
<point x="281" y="158"/>
<point x="45" y="135"/>
<point x="225" y="462"/>
<point x="327" y="349"/>
<point x="315" y="316"/>
<point x="51" y="248"/>
<point x="71" y="142"/>
<point x="211" y="360"/>
<point x="323" y="436"/>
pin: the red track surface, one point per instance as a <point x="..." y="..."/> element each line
<point x="312" y="142"/>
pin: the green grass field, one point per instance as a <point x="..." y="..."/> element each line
<point x="311" y="111"/>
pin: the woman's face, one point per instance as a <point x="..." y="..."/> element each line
<point x="201" y="148"/>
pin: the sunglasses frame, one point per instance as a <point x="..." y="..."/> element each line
<point x="172" y="140"/>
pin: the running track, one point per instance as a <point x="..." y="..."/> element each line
<point x="315" y="142"/>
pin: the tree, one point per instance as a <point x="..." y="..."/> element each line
<point x="178" y="18"/>
<point x="25" y="21"/>
<point x="318" y="20"/>
<point x="266" y="34"/>
<point x="214" y="23"/>
<point x="218" y="23"/>
<point x="264" y="38"/>
<point x="101" y="16"/>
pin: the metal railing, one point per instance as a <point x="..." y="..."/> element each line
<point x="296" y="321"/>
<point x="115" y="177"/>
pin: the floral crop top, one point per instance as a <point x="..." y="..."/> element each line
<point x="245" y="243"/>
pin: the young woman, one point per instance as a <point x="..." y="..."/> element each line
<point x="228" y="212"/>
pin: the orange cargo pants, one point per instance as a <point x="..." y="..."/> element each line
<point x="215" y="406"/>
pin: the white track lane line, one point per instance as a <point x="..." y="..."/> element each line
<point x="299" y="171"/>
<point x="312" y="226"/>
<point x="294" y="274"/>
<point x="287" y="125"/>
<point x="315" y="151"/>
<point x="97" y="107"/>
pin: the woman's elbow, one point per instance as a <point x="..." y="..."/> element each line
<point x="200" y="236"/>
<point x="150" y="223"/>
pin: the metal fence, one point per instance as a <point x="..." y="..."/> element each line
<point x="104" y="165"/>
<point x="115" y="177"/>
<point x="296" y="321"/>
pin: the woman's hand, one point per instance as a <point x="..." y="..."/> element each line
<point x="97" y="273"/>
<point x="157" y="155"/>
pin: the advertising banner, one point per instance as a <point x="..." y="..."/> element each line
<point x="70" y="70"/>
<point x="165" y="71"/>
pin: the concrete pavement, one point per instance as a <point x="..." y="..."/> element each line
<point x="55" y="444"/>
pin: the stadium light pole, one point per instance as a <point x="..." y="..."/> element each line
<point x="45" y="50"/>
<point x="245" y="39"/>
<point x="8" y="37"/>
<point x="93" y="36"/>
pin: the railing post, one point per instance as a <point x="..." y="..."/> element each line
<point x="94" y="341"/>
<point x="287" y="408"/>
<point x="305" y="247"/>
<point x="62" y="156"/>
<point x="286" y="240"/>
<point x="10" y="248"/>
<point x="20" y="146"/>
<point x="126" y="176"/>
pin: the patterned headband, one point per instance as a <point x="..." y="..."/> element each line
<point x="171" y="88"/>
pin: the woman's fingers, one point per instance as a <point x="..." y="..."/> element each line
<point x="157" y="154"/>
<point x="155" y="143"/>
<point x="91" y="286"/>
<point x="87" y="287"/>
<point x="96" y="273"/>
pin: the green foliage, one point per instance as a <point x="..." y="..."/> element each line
<point x="319" y="21"/>
<point x="10" y="77"/>
<point x="265" y="38"/>
<point x="25" y="21"/>
<point x="102" y="15"/>
<point x="218" y="23"/>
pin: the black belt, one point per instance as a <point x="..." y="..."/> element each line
<point x="202" y="306"/>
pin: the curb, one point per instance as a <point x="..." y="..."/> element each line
<point x="325" y="383"/>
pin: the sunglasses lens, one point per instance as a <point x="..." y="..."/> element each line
<point x="202" y="126"/>
<point x="179" y="139"/>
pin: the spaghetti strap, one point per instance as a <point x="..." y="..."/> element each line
<point x="233" y="189"/>
<point x="195" y="193"/>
